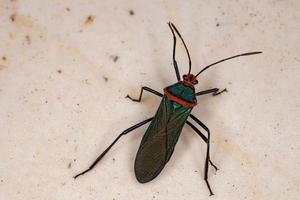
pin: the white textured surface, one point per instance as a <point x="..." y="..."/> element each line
<point x="58" y="111"/>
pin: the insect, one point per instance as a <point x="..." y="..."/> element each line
<point x="174" y="111"/>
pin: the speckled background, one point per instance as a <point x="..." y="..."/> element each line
<point x="66" y="66"/>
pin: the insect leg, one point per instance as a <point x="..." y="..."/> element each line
<point x="174" y="49"/>
<point x="108" y="148"/>
<point x="203" y="137"/>
<point x="207" y="151"/>
<point x="141" y="94"/>
<point x="214" y="91"/>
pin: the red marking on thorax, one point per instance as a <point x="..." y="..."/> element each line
<point x="188" y="84"/>
<point x="178" y="100"/>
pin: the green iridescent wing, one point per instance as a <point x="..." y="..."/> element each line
<point x="160" y="139"/>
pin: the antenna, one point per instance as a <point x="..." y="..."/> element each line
<point x="187" y="51"/>
<point x="244" y="54"/>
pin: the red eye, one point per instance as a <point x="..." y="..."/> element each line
<point x="185" y="77"/>
<point x="195" y="82"/>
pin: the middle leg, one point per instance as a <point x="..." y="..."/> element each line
<point x="204" y="138"/>
<point x="207" y="151"/>
<point x="112" y="144"/>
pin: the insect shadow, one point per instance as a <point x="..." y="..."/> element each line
<point x="174" y="111"/>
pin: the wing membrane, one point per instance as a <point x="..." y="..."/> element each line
<point x="160" y="139"/>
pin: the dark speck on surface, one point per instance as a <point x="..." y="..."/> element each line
<point x="13" y="17"/>
<point x="252" y="14"/>
<point x="131" y="12"/>
<point x="105" y="78"/>
<point x="28" y="39"/>
<point x="67" y="9"/>
<point x="90" y="19"/>
<point x="218" y="24"/>
<point x="115" y="58"/>
<point x="3" y="58"/>
<point x="69" y="165"/>
<point x="59" y="71"/>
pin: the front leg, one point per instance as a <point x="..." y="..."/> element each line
<point x="141" y="94"/>
<point x="214" y="91"/>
